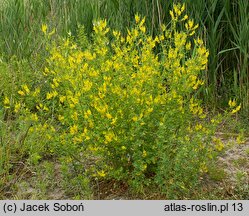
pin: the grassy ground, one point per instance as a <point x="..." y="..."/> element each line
<point x="227" y="178"/>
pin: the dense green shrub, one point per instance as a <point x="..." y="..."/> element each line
<point x="119" y="111"/>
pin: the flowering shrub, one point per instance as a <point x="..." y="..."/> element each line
<point x="121" y="111"/>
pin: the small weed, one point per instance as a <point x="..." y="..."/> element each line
<point x="240" y="162"/>
<point x="242" y="186"/>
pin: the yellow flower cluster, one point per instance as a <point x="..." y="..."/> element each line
<point x="232" y="104"/>
<point x="177" y="11"/>
<point x="6" y="102"/>
<point x="24" y="91"/>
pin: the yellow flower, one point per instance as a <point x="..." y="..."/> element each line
<point x="184" y="18"/>
<point x="218" y="144"/>
<point x="100" y="27"/>
<point x="60" y="118"/>
<point x="204" y="168"/>
<point x="172" y="15"/>
<point x="87" y="85"/>
<point x="101" y="173"/>
<point x="232" y="103"/>
<point x="49" y="95"/>
<point x="6" y="101"/>
<point x="188" y="46"/>
<point x="25" y="88"/>
<point x="87" y="114"/>
<point x="183" y="7"/>
<point x="109" y="137"/>
<point x="198" y="127"/>
<point x="74" y="101"/>
<point x="189" y="25"/>
<point x="84" y="134"/>
<point x="34" y="117"/>
<point x="143" y="29"/>
<point x="135" y="118"/>
<point x="20" y="92"/>
<point x="44" y="28"/>
<point x="108" y="115"/>
<point x="69" y="159"/>
<point x="91" y="124"/>
<point x="88" y="56"/>
<point x="74" y="116"/>
<point x="142" y="22"/>
<point x="236" y="109"/>
<point x="144" y="153"/>
<point x="45" y="108"/>
<point x="36" y="92"/>
<point x="149" y="110"/>
<point x="17" y="107"/>
<point x="39" y="106"/>
<point x="102" y="23"/>
<point x="241" y="139"/>
<point x="48" y="136"/>
<point x="62" y="99"/>
<point x="73" y="129"/>
<point x="114" y="121"/>
<point x="107" y="78"/>
<point x="116" y="33"/>
<point x="52" y="32"/>
<point x="137" y="18"/>
<point x="176" y="9"/>
<point x="55" y="83"/>
<point x="144" y="167"/>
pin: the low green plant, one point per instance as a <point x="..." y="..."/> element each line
<point x="217" y="173"/>
<point x="247" y="151"/>
<point x="74" y="182"/>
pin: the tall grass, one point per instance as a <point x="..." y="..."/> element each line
<point x="21" y="20"/>
<point x="238" y="19"/>
<point x="223" y="23"/>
